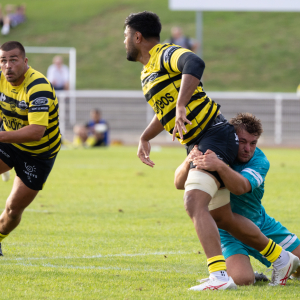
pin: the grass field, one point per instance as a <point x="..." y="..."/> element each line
<point x="108" y="227"/>
<point x="242" y="51"/>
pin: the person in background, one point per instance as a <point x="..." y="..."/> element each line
<point x="14" y="17"/>
<point x="178" y="38"/>
<point x="92" y="134"/>
<point x="58" y="74"/>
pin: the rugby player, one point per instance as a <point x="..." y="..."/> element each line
<point x="171" y="85"/>
<point x="30" y="138"/>
<point x="245" y="181"/>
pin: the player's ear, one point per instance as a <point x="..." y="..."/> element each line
<point x="138" y="37"/>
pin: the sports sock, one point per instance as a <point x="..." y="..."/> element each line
<point x="282" y="260"/>
<point x="272" y="251"/>
<point x="217" y="267"/>
<point x="2" y="236"/>
<point x="221" y="275"/>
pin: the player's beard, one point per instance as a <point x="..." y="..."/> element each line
<point x="132" y="53"/>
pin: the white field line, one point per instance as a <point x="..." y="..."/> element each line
<point x="94" y="256"/>
<point x="95" y="268"/>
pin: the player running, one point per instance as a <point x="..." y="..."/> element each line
<point x="245" y="181"/>
<point x="171" y="85"/>
<point x="30" y="138"/>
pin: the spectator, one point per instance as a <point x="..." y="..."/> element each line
<point x="14" y="17"/>
<point x="179" y="39"/>
<point x="94" y="133"/>
<point x="58" y="74"/>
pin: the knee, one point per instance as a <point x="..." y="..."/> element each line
<point x="14" y="212"/>
<point x="193" y="205"/>
<point x="244" y="279"/>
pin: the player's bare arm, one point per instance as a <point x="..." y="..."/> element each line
<point x="182" y="171"/>
<point x="188" y="85"/>
<point x="153" y="129"/>
<point x="30" y="133"/>
<point x="234" y="181"/>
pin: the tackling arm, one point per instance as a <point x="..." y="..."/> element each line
<point x="235" y="182"/>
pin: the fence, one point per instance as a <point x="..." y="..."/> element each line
<point x="128" y="113"/>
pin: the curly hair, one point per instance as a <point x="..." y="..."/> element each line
<point x="146" y="22"/>
<point x="248" y="122"/>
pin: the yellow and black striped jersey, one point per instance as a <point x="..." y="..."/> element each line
<point x="32" y="102"/>
<point x="161" y="81"/>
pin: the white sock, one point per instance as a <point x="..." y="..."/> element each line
<point x="282" y="260"/>
<point x="221" y="275"/>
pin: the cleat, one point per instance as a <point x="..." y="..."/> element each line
<point x="5" y="176"/>
<point x="260" y="277"/>
<point x="213" y="284"/>
<point x="279" y="277"/>
<point x="294" y="277"/>
<point x="1" y="254"/>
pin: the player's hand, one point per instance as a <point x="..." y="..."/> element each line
<point x="195" y="152"/>
<point x="144" y="152"/>
<point x="179" y="122"/>
<point x="209" y="161"/>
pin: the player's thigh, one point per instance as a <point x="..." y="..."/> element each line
<point x="20" y="197"/>
<point x="4" y="167"/>
<point x="222" y="216"/>
<point x="240" y="269"/>
<point x="297" y="251"/>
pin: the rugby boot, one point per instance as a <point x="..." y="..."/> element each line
<point x="213" y="284"/>
<point x="279" y="277"/>
<point x="1" y="254"/>
<point x="260" y="277"/>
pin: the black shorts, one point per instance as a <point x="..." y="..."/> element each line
<point x="33" y="171"/>
<point x="221" y="138"/>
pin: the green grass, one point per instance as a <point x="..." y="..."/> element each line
<point x="242" y="51"/>
<point x="108" y="227"/>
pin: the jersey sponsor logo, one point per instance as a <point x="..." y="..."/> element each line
<point x="14" y="124"/>
<point x="168" y="53"/>
<point x="150" y="78"/>
<point x="2" y="97"/>
<point x="164" y="101"/>
<point x="40" y="101"/>
<point x="13" y="106"/>
<point x="23" y="105"/>
<point x="39" y="108"/>
<point x="14" y="91"/>
<point x="29" y="171"/>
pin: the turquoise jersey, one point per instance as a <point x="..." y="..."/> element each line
<point x="249" y="204"/>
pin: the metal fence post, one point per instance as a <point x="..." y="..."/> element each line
<point x="278" y="119"/>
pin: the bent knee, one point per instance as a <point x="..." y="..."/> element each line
<point x="244" y="279"/>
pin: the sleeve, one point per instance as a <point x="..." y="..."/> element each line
<point x="170" y="58"/>
<point x="256" y="172"/>
<point x="39" y="103"/>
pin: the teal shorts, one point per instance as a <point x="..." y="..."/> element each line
<point x="271" y="229"/>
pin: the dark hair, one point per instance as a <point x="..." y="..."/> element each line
<point x="248" y="122"/>
<point x="146" y="22"/>
<point x="13" y="45"/>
